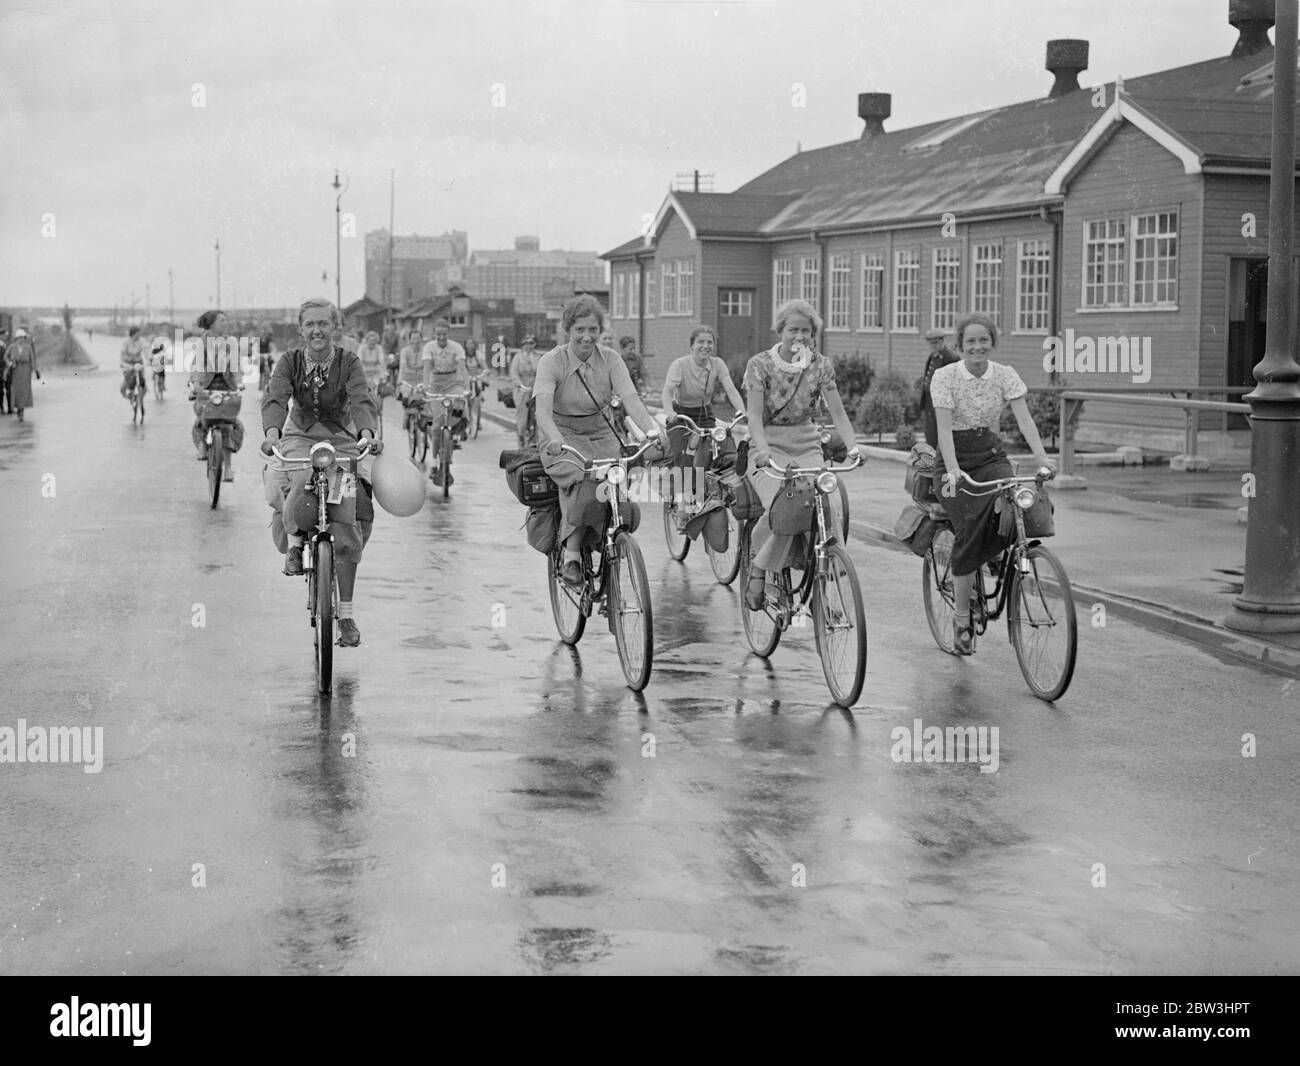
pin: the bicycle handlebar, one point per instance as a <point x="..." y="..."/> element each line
<point x="1045" y="473"/>
<point x="695" y="428"/>
<point x="772" y="470"/>
<point x="362" y="452"/>
<point x="589" y="465"/>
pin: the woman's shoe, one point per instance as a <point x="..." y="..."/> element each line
<point x="571" y="572"/>
<point x="963" y="638"/>
<point x="754" y="592"/>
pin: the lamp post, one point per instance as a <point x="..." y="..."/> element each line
<point x="1270" y="595"/>
<point x="338" y="239"/>
<point x="218" y="248"/>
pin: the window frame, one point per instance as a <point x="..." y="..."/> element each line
<point x="1045" y="275"/>
<point x="936" y="319"/>
<point x="844" y="276"/>
<point x="782" y="270"/>
<point x="810" y="266"/>
<point x="878" y="268"/>
<point x="994" y="278"/>
<point x="914" y="268"/>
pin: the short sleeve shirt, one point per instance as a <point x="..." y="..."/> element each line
<point x="444" y="360"/>
<point x="976" y="402"/>
<point x="691" y="380"/>
<point x="789" y="398"/>
<point x="604" y="374"/>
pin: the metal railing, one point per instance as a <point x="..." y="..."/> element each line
<point x="1141" y="395"/>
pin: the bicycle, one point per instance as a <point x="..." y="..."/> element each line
<point x="828" y="579"/>
<point x="446" y="435"/>
<point x="219" y="408"/>
<point x="617" y="585"/>
<point x="478" y="386"/>
<point x="136" y="394"/>
<point x="718" y="478"/>
<point x="331" y="482"/>
<point x="529" y="439"/>
<point x="833" y="454"/>
<point x="159" y="384"/>
<point x="1039" y="606"/>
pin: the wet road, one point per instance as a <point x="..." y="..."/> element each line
<point x="476" y="797"/>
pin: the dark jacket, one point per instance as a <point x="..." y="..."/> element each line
<point x="342" y="398"/>
<point x="943" y="357"/>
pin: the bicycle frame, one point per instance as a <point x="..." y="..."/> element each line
<point x="318" y="485"/>
<point x="717" y="436"/>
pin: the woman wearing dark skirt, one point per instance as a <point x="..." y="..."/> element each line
<point x="969" y="398"/>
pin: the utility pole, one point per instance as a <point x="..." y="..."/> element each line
<point x="171" y="300"/>
<point x="218" y="247"/>
<point x="392" y="197"/>
<point x="1270" y="594"/>
<point x="338" y="242"/>
<point x="147" y="306"/>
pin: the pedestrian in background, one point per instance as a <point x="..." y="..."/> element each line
<point x="940" y="356"/>
<point x="20" y="365"/>
<point x="4" y="375"/>
<point x="635" y="368"/>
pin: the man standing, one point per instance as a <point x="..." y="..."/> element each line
<point x="4" y="375"/>
<point x="940" y="355"/>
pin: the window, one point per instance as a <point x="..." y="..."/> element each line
<point x="686" y="287"/>
<point x="735" y="303"/>
<point x="634" y="295"/>
<point x="668" y="290"/>
<point x="873" y="290"/>
<point x="1034" y="286"/>
<point x="456" y="321"/>
<point x="810" y="279"/>
<point x="838" y="317"/>
<point x="618" y="298"/>
<point x="945" y="291"/>
<point x="782" y="282"/>
<point x="907" y="275"/>
<point x="986" y="286"/>
<point x="1105" y="262"/>
<point x="1155" y="259"/>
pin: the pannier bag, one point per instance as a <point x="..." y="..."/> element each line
<point x="1040" y="519"/>
<point x="792" y="510"/>
<point x="543" y="526"/>
<point x="915" y="528"/>
<point x="919" y="478"/>
<point x="747" y="505"/>
<point x="527" y="477"/>
<point x="506" y="395"/>
<point x="225" y="411"/>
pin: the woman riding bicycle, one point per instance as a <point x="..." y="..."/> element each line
<point x="317" y="393"/>
<point x="969" y="397"/>
<point x="689" y="388"/>
<point x="782" y="386"/>
<point x="523" y="374"/>
<point x="574" y="386"/>
<point x="132" y="361"/>
<point x="217" y="369"/>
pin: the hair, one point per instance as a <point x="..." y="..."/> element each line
<point x="977" y="318"/>
<point x="320" y="301"/>
<point x="699" y="330"/>
<point x="625" y="341"/>
<point x="530" y="339"/>
<point x="134" y="331"/>
<point x="208" y="319"/>
<point x="796" y="307"/>
<point x="469" y="341"/>
<point x="441" y="322"/>
<point x="581" y="307"/>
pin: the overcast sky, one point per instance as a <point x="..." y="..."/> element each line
<point x="604" y="102"/>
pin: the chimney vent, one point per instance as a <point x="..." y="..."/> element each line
<point x="873" y="109"/>
<point x="1252" y="19"/>
<point x="1066" y="58"/>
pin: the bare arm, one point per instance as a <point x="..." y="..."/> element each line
<point x="835" y="405"/>
<point x="1029" y="431"/>
<point x="943" y="423"/>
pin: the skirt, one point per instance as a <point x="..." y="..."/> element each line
<point x="801" y="445"/>
<point x="580" y="506"/>
<point x="975" y="523"/>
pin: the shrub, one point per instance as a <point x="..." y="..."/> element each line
<point x="736" y="365"/>
<point x="882" y="409"/>
<point x="1045" y="410"/>
<point x="853" y="376"/>
<point x="905" y="436"/>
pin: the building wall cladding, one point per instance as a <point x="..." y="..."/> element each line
<point x="1130" y="175"/>
<point x="739" y="265"/>
<point x="669" y="335"/>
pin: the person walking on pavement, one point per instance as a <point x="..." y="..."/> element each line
<point x="940" y="355"/>
<point x="20" y="365"/>
<point x="5" y="407"/>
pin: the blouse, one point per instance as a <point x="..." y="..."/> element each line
<point x="975" y="402"/>
<point x="789" y="398"/>
<point x="564" y="376"/>
<point x="690" y="380"/>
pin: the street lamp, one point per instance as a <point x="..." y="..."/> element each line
<point x="1270" y="595"/>
<point x="338" y="238"/>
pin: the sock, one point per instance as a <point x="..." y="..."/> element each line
<point x="571" y="556"/>
<point x="963" y="620"/>
<point x="345" y="608"/>
<point x="297" y="542"/>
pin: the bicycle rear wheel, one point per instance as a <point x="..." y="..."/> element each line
<point x="761" y="628"/>
<point x="630" y="612"/>
<point x="726" y="564"/>
<point x="936" y="589"/>
<point x="415" y="433"/>
<point x="678" y="543"/>
<point x="840" y="626"/>
<point x="216" y="461"/>
<point x="324" y="586"/>
<point x="1042" y="624"/>
<point x="566" y="601"/>
<point x="444" y="459"/>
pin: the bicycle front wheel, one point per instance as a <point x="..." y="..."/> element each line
<point x="678" y="542"/>
<point x="216" y="460"/>
<point x="1042" y="624"/>
<point x="844" y="513"/>
<point x="936" y="589"/>
<point x="726" y="564"/>
<point x="324" y="586"/>
<point x="840" y="626"/>
<point x="414" y="432"/>
<point x="566" y="602"/>
<point x="630" y="612"/>
<point x="761" y="628"/>
<point x="444" y="459"/>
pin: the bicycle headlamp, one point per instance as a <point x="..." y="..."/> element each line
<point x="446" y="402"/>
<point x="616" y="475"/>
<point x="826" y="482"/>
<point x="1025" y="497"/>
<point x="719" y="433"/>
<point x="216" y="399"/>
<point x="322" y="455"/>
<point x="826" y="438"/>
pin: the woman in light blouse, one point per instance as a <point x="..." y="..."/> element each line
<point x="782" y="386"/>
<point x="573" y="389"/>
<point x="969" y="397"/>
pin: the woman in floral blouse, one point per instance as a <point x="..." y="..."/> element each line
<point x="969" y="398"/>
<point x="782" y="386"/>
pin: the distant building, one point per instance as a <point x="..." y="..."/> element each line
<point x="466" y="315"/>
<point x="1128" y="215"/>
<point x="521" y="273"/>
<point x="422" y="266"/>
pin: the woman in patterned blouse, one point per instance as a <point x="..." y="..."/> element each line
<point x="782" y="386"/>
<point x="969" y="398"/>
